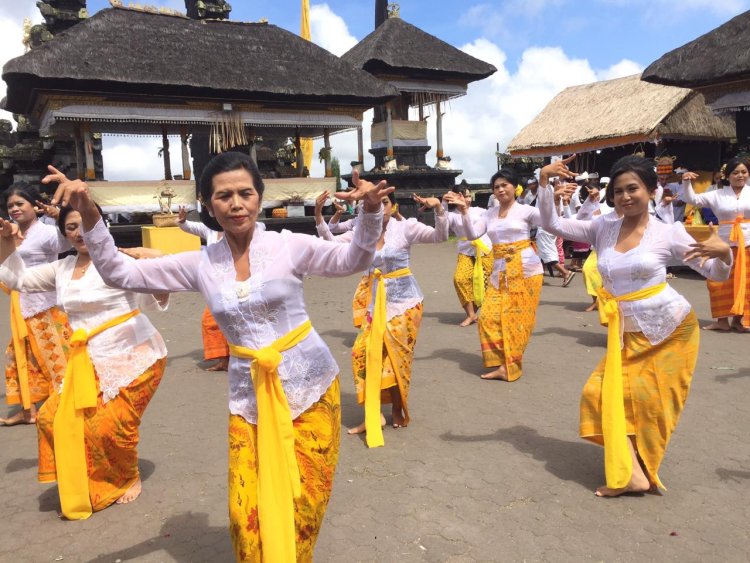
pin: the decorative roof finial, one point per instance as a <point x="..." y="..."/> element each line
<point x="394" y="10"/>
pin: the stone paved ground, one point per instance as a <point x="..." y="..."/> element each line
<point x="488" y="471"/>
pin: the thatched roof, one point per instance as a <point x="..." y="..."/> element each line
<point x="720" y="56"/>
<point x="618" y="112"/>
<point x="399" y="48"/>
<point x="133" y="52"/>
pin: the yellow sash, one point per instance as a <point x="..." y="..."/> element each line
<point x="278" y="472"/>
<point x="477" y="279"/>
<point x="511" y="252"/>
<point x="19" y="333"/>
<point x="740" y="269"/>
<point x="79" y="392"/>
<point x="618" y="463"/>
<point x="374" y="358"/>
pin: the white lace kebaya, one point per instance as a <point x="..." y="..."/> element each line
<point x="726" y="206"/>
<point x="258" y="311"/>
<point x="643" y="266"/>
<point x="514" y="227"/>
<point x="120" y="354"/>
<point x="456" y="224"/>
<point x="401" y="293"/>
<point x="40" y="245"/>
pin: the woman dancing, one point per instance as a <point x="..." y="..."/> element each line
<point x="35" y="358"/>
<point x="731" y="204"/>
<point x="383" y="352"/>
<point x="117" y="361"/>
<point x="284" y="399"/>
<point x="509" y="311"/>
<point x="633" y="400"/>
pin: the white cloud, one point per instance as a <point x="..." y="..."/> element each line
<point x="330" y="30"/>
<point x="625" y="67"/>
<point x="137" y="158"/>
<point x="658" y="8"/>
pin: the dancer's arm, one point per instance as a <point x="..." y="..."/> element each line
<point x="570" y="229"/>
<point x="419" y="233"/>
<point x="688" y="194"/>
<point x="712" y="257"/>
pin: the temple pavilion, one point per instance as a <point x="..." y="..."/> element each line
<point x="226" y="85"/>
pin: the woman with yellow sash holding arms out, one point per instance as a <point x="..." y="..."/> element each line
<point x="634" y="398"/>
<point x="383" y="352"/>
<point x="284" y="403"/>
<point x="88" y="432"/>
<point x="474" y="263"/>
<point x="730" y="202"/>
<point x="508" y="315"/>
<point x="35" y="358"/>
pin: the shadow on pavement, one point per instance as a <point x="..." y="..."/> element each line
<point x="347" y="337"/>
<point x="19" y="464"/>
<point x="469" y="362"/>
<point x="578" y="306"/>
<point x="578" y="462"/>
<point x="727" y="377"/>
<point x="180" y="536"/>
<point x="588" y="339"/>
<point x="446" y="318"/>
<point x="735" y="475"/>
<point x="49" y="499"/>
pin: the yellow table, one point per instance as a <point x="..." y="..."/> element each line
<point x="169" y="240"/>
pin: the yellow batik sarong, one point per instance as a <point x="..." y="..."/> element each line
<point x="361" y="300"/>
<point x="316" y="447"/>
<point x="723" y="294"/>
<point x="398" y="353"/>
<point x="591" y="276"/>
<point x="464" y="277"/>
<point x="111" y="438"/>
<point x="45" y="349"/>
<point x="508" y="316"/>
<point x="655" y="382"/>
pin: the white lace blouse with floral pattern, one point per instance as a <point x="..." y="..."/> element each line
<point x="258" y="311"/>
<point x="120" y="354"/>
<point x="40" y="245"/>
<point x="644" y="266"/>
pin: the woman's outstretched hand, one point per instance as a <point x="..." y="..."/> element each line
<point x="74" y="193"/>
<point x="320" y="202"/>
<point x="371" y="194"/>
<point x="559" y="168"/>
<point x="428" y="203"/>
<point x="9" y="231"/>
<point x="452" y="198"/>
<point x="712" y="247"/>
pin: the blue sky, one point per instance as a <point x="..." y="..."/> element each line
<point x="539" y="47"/>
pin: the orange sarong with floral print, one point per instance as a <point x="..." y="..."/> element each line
<point x="214" y="344"/>
<point x="316" y="443"/>
<point x="111" y="438"/>
<point x="47" y="348"/>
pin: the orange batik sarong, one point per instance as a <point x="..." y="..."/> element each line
<point x="398" y="352"/>
<point x="361" y="300"/>
<point x="722" y="294"/>
<point x="656" y="381"/>
<point x="463" y="277"/>
<point x="111" y="438"/>
<point x="214" y="344"/>
<point x="316" y="445"/>
<point x="46" y="352"/>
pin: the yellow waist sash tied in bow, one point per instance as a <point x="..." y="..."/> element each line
<point x="740" y="269"/>
<point x="374" y="357"/>
<point x="511" y="252"/>
<point x="618" y="463"/>
<point x="478" y="273"/>
<point x="19" y="333"/>
<point x="79" y="392"/>
<point x="278" y="472"/>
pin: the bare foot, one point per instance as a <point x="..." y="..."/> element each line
<point x="21" y="417"/>
<point x="721" y="326"/>
<point x="739" y="327"/>
<point x="221" y="365"/>
<point x="399" y="421"/>
<point x="132" y="493"/>
<point x="468" y="321"/>
<point x="636" y="485"/>
<point x="591" y="307"/>
<point x="361" y="427"/>
<point x="499" y="373"/>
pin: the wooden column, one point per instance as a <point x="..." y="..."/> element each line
<point x="421" y="111"/>
<point x="88" y="149"/>
<point x="300" y="156"/>
<point x="80" y="160"/>
<point x="165" y="153"/>
<point x="439" y="151"/>
<point x="360" y="146"/>
<point x="327" y="145"/>
<point x="389" y="130"/>
<point x="185" y="154"/>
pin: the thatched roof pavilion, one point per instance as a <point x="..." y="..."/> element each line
<point x="618" y="112"/>
<point x="140" y="71"/>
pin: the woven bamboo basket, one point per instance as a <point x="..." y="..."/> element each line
<point x="165" y="219"/>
